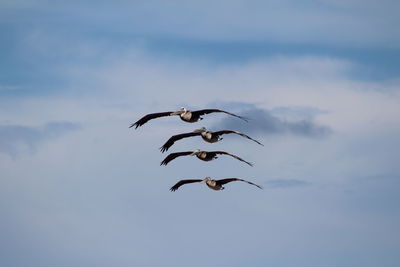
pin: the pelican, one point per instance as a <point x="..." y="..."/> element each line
<point x="208" y="136"/>
<point x="184" y="114"/>
<point x="200" y="154"/>
<point x="211" y="183"/>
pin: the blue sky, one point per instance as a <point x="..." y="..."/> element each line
<point x="319" y="79"/>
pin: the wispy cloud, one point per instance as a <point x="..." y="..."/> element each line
<point x="264" y="121"/>
<point x="17" y="138"/>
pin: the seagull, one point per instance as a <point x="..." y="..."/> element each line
<point x="208" y="136"/>
<point x="200" y="154"/>
<point x="211" y="183"/>
<point x="184" y="114"/>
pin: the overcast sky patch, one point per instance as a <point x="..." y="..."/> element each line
<point x="284" y="183"/>
<point x="17" y="138"/>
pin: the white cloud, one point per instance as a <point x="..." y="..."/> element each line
<point x="146" y="85"/>
<point x="132" y="82"/>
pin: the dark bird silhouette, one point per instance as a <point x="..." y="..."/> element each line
<point x="184" y="114"/>
<point x="211" y="183"/>
<point x="200" y="154"/>
<point x="208" y="136"/>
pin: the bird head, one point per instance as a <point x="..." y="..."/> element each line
<point x="208" y="178"/>
<point x="196" y="152"/>
<point x="200" y="130"/>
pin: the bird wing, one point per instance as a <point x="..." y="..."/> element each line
<point x="236" y="157"/>
<point x="173" y="156"/>
<point x="228" y="180"/>
<point x="239" y="133"/>
<point x="207" y="111"/>
<point x="182" y="182"/>
<point x="174" y="138"/>
<point x="148" y="117"/>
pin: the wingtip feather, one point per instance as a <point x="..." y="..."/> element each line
<point x="134" y="124"/>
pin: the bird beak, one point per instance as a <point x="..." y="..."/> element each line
<point x="199" y="130"/>
<point x="179" y="112"/>
<point x="194" y="152"/>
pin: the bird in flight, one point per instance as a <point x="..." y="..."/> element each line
<point x="211" y="183"/>
<point x="200" y="154"/>
<point x="184" y="114"/>
<point x="208" y="136"/>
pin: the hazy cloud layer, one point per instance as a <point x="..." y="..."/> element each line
<point x="17" y="138"/>
<point x="263" y="121"/>
<point x="98" y="197"/>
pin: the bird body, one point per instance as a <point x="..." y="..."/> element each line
<point x="208" y="136"/>
<point x="200" y="154"/>
<point x="211" y="183"/>
<point x="206" y="156"/>
<point x="185" y="115"/>
<point x="188" y="116"/>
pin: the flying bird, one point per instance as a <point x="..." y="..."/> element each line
<point x="208" y="136"/>
<point x="211" y="183"/>
<point x="184" y="114"/>
<point x="200" y="154"/>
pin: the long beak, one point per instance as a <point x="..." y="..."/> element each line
<point x="179" y="112"/>
<point x="199" y="130"/>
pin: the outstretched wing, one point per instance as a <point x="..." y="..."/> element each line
<point x="150" y="117"/>
<point x="207" y="111"/>
<point x="173" y="156"/>
<point x="182" y="182"/>
<point x="174" y="138"/>
<point x="235" y="132"/>
<point x="228" y="180"/>
<point x="234" y="156"/>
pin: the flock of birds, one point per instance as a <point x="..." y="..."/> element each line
<point x="208" y="136"/>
